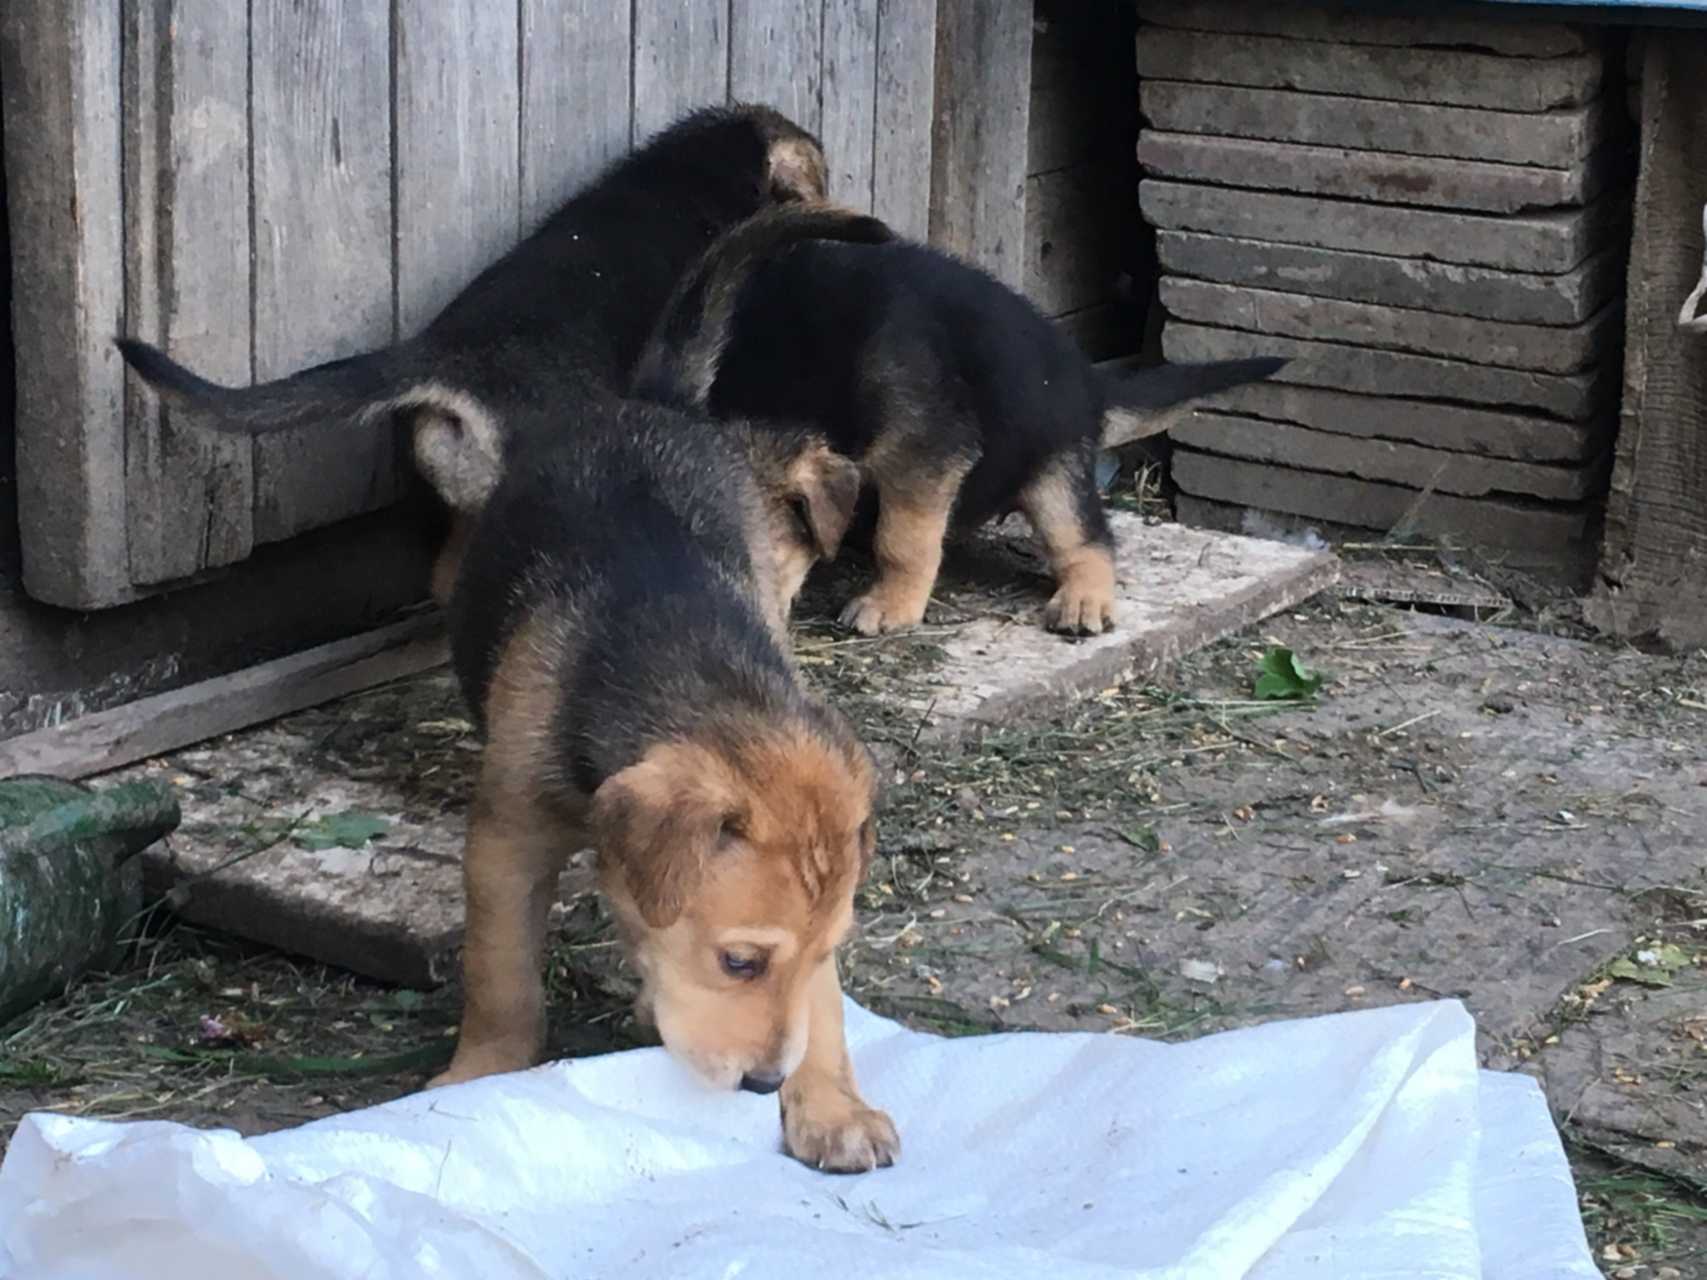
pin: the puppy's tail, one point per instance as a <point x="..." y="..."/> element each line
<point x="1147" y="402"/>
<point x="457" y="439"/>
<point x="351" y="390"/>
<point x="679" y="363"/>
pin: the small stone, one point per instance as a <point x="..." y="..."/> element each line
<point x="1499" y="704"/>
<point x="1354" y="991"/>
<point x="1206" y="971"/>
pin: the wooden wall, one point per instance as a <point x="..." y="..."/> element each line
<point x="291" y="180"/>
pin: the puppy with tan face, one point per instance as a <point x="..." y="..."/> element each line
<point x="619" y="625"/>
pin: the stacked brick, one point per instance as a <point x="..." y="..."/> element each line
<point x="1429" y="216"/>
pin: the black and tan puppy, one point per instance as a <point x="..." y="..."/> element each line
<point x="562" y="315"/>
<point x="959" y="400"/>
<point x="619" y="625"/>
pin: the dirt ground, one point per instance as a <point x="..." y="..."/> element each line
<point x="1507" y="814"/>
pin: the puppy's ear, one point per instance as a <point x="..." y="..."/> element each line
<point x="796" y="170"/>
<point x="657" y="823"/>
<point x="457" y="442"/>
<point x="822" y="487"/>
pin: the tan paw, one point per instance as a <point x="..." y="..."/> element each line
<point x="836" y="1132"/>
<point x="472" y="1064"/>
<point x="1079" y="611"/>
<point x="877" y="611"/>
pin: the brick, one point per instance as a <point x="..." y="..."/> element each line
<point x="1499" y="433"/>
<point x="1562" y="349"/>
<point x="1516" y="297"/>
<point x="1573" y="396"/>
<point x="1455" y="26"/>
<point x="1539" y="242"/>
<point x="1448" y="77"/>
<point x="1488" y="522"/>
<point x="1552" y="139"/>
<point x="1389" y="177"/>
<point x="1372" y="459"/>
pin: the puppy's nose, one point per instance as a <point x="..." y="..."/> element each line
<point x="761" y="1082"/>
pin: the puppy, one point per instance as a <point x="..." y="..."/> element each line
<point x="619" y="626"/>
<point x="958" y="399"/>
<point x="563" y="314"/>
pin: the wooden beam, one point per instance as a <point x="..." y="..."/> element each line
<point x="167" y="721"/>
<point x="59" y="69"/>
<point x="979" y="137"/>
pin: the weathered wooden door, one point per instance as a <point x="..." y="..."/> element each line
<point x="260" y="186"/>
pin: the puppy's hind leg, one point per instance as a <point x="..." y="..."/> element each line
<point x="912" y="521"/>
<point x="1066" y="513"/>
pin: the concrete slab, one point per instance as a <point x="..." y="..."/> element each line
<point x="1546" y="243"/>
<point x="1386" y="176"/>
<point x="1514" y="297"/>
<point x="1574" y="397"/>
<point x="1496" y="433"/>
<point x="393" y="909"/>
<point x="1544" y="348"/>
<point x="1553" y="139"/>
<point x="1407" y="464"/>
<point x="1450" y="77"/>
<point x="1453" y="26"/>
<point x="1370" y="504"/>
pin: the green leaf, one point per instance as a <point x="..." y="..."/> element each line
<point x="350" y="829"/>
<point x="1284" y="677"/>
<point x="1630" y="971"/>
<point x="1144" y="838"/>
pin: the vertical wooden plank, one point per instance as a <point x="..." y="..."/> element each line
<point x="59" y="65"/>
<point x="457" y="120"/>
<point x="320" y="71"/>
<point x="775" y="50"/>
<point x="848" y="117"/>
<point x="191" y="494"/>
<point x="681" y="60"/>
<point x="982" y="112"/>
<point x="906" y="106"/>
<point x="577" y="67"/>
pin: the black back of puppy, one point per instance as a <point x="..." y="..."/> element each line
<point x="632" y="529"/>
<point x="836" y="335"/>
<point x="568" y="307"/>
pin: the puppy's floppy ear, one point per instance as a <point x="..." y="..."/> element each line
<point x="795" y="169"/>
<point x="823" y="488"/>
<point x="657" y="823"/>
<point x="457" y="443"/>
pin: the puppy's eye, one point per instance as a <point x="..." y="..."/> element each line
<point x="742" y="965"/>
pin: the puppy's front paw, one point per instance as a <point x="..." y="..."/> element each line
<point x="878" y="611"/>
<point x="488" y="1060"/>
<point x="833" y="1130"/>
<point x="1078" y="611"/>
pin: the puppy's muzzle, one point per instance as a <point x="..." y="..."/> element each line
<point x="761" y="1081"/>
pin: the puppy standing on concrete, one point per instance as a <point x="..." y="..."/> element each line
<point x="619" y="625"/>
<point x="959" y="400"/>
<point x="561" y="317"/>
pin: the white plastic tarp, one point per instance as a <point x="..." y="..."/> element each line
<point x="1363" y="1145"/>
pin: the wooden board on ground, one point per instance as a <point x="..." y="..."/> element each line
<point x="166" y="721"/>
<point x="1515" y="297"/>
<point x="393" y="910"/>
